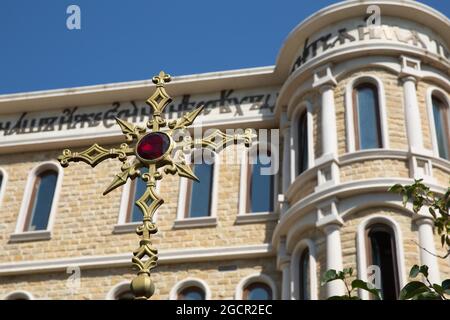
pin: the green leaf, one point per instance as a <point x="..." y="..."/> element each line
<point x="412" y="289"/>
<point x="424" y="270"/>
<point x="432" y="212"/>
<point x="337" y="298"/>
<point x="405" y="199"/>
<point x="438" y="289"/>
<point x="365" y="286"/>
<point x="330" y="275"/>
<point x="397" y="188"/>
<point x="343" y="298"/>
<point x="442" y="237"/>
<point x="414" y="271"/>
<point x="348" y="271"/>
<point x="446" y="286"/>
<point x="427" y="296"/>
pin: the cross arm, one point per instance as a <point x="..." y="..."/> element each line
<point x="218" y="140"/>
<point x="95" y="154"/>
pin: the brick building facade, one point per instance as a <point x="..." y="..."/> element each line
<point x="329" y="193"/>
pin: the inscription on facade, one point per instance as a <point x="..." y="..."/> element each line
<point x="343" y="36"/>
<point x="226" y="104"/>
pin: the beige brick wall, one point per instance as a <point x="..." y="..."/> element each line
<point x="371" y="169"/>
<point x="317" y="114"/>
<point x="422" y="87"/>
<point x="96" y="283"/>
<point x="442" y="177"/>
<point x="84" y="219"/>
<point x="306" y="189"/>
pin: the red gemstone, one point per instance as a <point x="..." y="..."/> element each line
<point x="153" y="145"/>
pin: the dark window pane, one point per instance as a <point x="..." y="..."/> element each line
<point x="200" y="200"/>
<point x="368" y="117"/>
<point x="304" y="285"/>
<point x="42" y="201"/>
<point x="1" y="181"/>
<point x="127" y="295"/>
<point x="139" y="188"/>
<point x="258" y="291"/>
<point x="261" y="185"/>
<point x="383" y="256"/>
<point x="440" y="124"/>
<point x="191" y="293"/>
<point x="303" y="143"/>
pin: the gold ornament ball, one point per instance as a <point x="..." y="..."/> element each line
<point x="142" y="286"/>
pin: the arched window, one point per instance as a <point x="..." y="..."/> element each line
<point x="304" y="271"/>
<point x="199" y="193"/>
<point x="126" y="295"/>
<point x="191" y="293"/>
<point x="190" y="289"/>
<point x="366" y="117"/>
<point x="121" y="291"/>
<point x="442" y="127"/>
<point x="381" y="252"/>
<point x="257" y="291"/>
<point x="137" y="189"/>
<point x="41" y="200"/>
<point x="19" y="295"/>
<point x="302" y="140"/>
<point x="304" y="276"/>
<point x="260" y="186"/>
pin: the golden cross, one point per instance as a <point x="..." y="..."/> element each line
<point x="154" y="150"/>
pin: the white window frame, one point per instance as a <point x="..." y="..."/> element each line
<point x="361" y="249"/>
<point x="256" y="277"/>
<point x="304" y="105"/>
<point x="349" y="110"/>
<point x="439" y="93"/>
<point x="189" y="282"/>
<point x="4" y="176"/>
<point x="118" y="289"/>
<point x="295" y="268"/>
<point x="243" y="215"/>
<point x="19" y="294"/>
<point x="20" y="234"/>
<point x="187" y="222"/>
<point x="122" y="225"/>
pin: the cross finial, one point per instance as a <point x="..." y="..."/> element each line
<point x="152" y="150"/>
<point x="161" y="79"/>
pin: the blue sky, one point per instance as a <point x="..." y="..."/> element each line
<point x="133" y="40"/>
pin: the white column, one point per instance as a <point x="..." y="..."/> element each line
<point x="286" y="284"/>
<point x="426" y="240"/>
<point x="283" y="264"/>
<point x="412" y="114"/>
<point x="328" y="121"/>
<point x="334" y="258"/>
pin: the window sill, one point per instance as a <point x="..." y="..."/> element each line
<point x="195" y="222"/>
<point x="256" y="217"/>
<point x="129" y="227"/>
<point x="30" y="236"/>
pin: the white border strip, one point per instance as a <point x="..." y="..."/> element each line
<point x="118" y="260"/>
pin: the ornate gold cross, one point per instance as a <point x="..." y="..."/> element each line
<point x="154" y="150"/>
